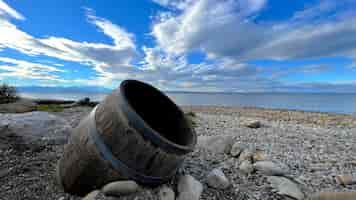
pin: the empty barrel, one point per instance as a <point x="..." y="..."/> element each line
<point x="135" y="133"/>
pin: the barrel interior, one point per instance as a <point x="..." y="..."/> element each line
<point x="158" y="112"/>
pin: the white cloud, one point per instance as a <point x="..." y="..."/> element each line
<point x="211" y="26"/>
<point x="353" y="64"/>
<point x="225" y="29"/>
<point x="106" y="59"/>
<point x="66" y="49"/>
<point x="315" y="10"/>
<point x="121" y="37"/>
<point x="174" y="4"/>
<point x="7" y="10"/>
<point x="175" y="72"/>
<point x="28" y="70"/>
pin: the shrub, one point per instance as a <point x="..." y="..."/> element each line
<point x="7" y="93"/>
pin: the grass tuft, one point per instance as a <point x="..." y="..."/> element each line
<point x="50" y="108"/>
<point x="190" y="114"/>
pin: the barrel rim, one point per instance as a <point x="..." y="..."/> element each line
<point x="156" y="137"/>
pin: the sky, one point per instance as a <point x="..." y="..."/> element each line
<point x="181" y="45"/>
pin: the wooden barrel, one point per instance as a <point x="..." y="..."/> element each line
<point x="334" y="196"/>
<point x="136" y="133"/>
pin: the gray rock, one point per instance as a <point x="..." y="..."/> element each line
<point x="236" y="149"/>
<point x="216" y="144"/>
<point x="91" y="195"/>
<point x="118" y="188"/>
<point x="270" y="168"/>
<point x="286" y="187"/>
<point x="20" y="106"/>
<point x="246" y="154"/>
<point x="253" y="124"/>
<point x="189" y="188"/>
<point x="166" y="193"/>
<point x="217" y="179"/>
<point x="36" y="126"/>
<point x="227" y="164"/>
<point x="246" y="167"/>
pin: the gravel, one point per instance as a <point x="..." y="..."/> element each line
<point x="316" y="147"/>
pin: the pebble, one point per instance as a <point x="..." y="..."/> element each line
<point x="91" y="195"/>
<point x="259" y="155"/>
<point x="120" y="188"/>
<point x="189" y="188"/>
<point x="246" y="154"/>
<point x="166" y="193"/>
<point x="270" y="168"/>
<point x="217" y="179"/>
<point x="246" y="167"/>
<point x="286" y="187"/>
<point x="253" y="124"/>
<point x="236" y="149"/>
<point x="227" y="164"/>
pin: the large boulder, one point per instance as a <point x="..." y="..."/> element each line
<point x="34" y="126"/>
<point x="20" y="106"/>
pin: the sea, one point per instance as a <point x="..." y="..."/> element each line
<point x="315" y="102"/>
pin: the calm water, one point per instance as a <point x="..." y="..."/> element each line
<point x="336" y="103"/>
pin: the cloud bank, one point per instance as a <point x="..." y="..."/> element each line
<point x="229" y="29"/>
<point x="229" y="33"/>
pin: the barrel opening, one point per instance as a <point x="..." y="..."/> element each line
<point x="158" y="112"/>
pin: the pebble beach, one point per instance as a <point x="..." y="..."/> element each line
<point x="314" y="149"/>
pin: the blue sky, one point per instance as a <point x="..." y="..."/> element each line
<point x="186" y="45"/>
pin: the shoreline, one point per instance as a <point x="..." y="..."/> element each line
<point x="199" y="107"/>
<point x="282" y="115"/>
<point x="315" y="102"/>
<point x="264" y="108"/>
<point x="328" y="119"/>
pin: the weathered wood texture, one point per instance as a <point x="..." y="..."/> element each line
<point x="334" y="196"/>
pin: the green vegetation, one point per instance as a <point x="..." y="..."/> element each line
<point x="8" y="93"/>
<point x="190" y="116"/>
<point x="50" y="108"/>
